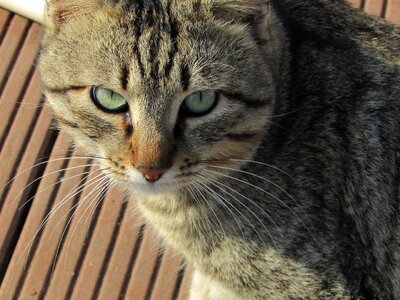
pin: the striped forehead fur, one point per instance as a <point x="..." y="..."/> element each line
<point x="63" y="9"/>
<point x="150" y="42"/>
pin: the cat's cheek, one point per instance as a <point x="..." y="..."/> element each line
<point x="226" y="149"/>
<point x="60" y="106"/>
<point x="83" y="141"/>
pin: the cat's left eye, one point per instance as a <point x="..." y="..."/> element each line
<point x="200" y="103"/>
<point x="108" y="100"/>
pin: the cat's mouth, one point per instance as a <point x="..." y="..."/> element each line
<point x="188" y="175"/>
<point x="168" y="182"/>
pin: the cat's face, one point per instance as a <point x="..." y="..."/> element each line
<point x="157" y="89"/>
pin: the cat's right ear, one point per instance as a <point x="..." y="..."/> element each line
<point x="58" y="12"/>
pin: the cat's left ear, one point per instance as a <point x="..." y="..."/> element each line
<point x="256" y="13"/>
<point x="243" y="11"/>
<point x="260" y="18"/>
<point x="57" y="12"/>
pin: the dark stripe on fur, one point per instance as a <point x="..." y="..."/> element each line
<point x="250" y="103"/>
<point x="148" y="14"/>
<point x="155" y="43"/>
<point x="197" y="6"/>
<point x="94" y="124"/>
<point x="173" y="28"/>
<point x="138" y="33"/>
<point x="129" y="126"/>
<point x="124" y="77"/>
<point x="240" y="136"/>
<point x="185" y="77"/>
<point x="62" y="121"/>
<point x="64" y="90"/>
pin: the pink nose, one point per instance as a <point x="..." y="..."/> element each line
<point x="152" y="174"/>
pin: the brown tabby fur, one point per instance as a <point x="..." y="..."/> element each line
<point x="289" y="188"/>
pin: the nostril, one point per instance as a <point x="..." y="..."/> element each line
<point x="152" y="174"/>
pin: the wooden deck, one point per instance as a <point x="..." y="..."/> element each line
<point x="84" y="251"/>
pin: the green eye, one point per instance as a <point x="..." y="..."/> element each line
<point x="108" y="101"/>
<point x="200" y="103"/>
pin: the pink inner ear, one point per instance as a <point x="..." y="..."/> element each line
<point x="59" y="12"/>
<point x="62" y="15"/>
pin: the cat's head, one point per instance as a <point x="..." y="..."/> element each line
<point x="159" y="89"/>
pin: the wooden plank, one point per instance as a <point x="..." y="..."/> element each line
<point x="9" y="46"/>
<point x="11" y="212"/>
<point x="69" y="262"/>
<point x="123" y="256"/>
<point x="393" y="11"/>
<point x="167" y="277"/>
<point x="374" y="7"/>
<point x="5" y="16"/>
<point x="144" y="267"/>
<point x="16" y="269"/>
<point x="56" y="239"/>
<point x="24" y="119"/>
<point x="186" y="282"/>
<point x="356" y="3"/>
<point x="14" y="88"/>
<point x="96" y="256"/>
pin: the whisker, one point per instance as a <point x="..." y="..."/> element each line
<point x="32" y="105"/>
<point x="73" y="193"/>
<point x="222" y="64"/>
<point x="100" y="196"/>
<point x="74" y="208"/>
<point x="288" y="113"/>
<point x="213" y="212"/>
<point x="219" y="199"/>
<point x="261" y="178"/>
<point x="91" y="157"/>
<point x="263" y="164"/>
<point x="58" y="182"/>
<point x="93" y="181"/>
<point x="102" y="189"/>
<point x="80" y="183"/>
<point x="63" y="180"/>
<point x="44" y="222"/>
<point x="198" y="202"/>
<point x="221" y="185"/>
<point x="203" y="187"/>
<point x="40" y="164"/>
<point x="268" y="193"/>
<point x="280" y="126"/>
<point x="241" y="161"/>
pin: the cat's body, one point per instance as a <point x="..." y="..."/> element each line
<point x="319" y="218"/>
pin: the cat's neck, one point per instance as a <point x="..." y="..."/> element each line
<point x="181" y="221"/>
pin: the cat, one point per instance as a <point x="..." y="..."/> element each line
<point x="260" y="138"/>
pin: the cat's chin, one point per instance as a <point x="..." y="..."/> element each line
<point x="154" y="188"/>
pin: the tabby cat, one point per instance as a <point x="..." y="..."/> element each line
<point x="260" y="138"/>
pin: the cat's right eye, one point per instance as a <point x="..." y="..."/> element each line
<point x="108" y="100"/>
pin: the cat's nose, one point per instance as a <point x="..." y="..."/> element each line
<point x="152" y="174"/>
